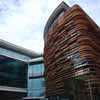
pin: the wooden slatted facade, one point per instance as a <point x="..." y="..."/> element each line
<point x="72" y="57"/>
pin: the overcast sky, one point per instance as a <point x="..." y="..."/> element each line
<point x="22" y="21"/>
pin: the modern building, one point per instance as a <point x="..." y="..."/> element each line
<point x="71" y="58"/>
<point x="15" y="72"/>
<point x="71" y="55"/>
<point x="36" y="82"/>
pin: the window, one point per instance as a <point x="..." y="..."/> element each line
<point x="13" y="73"/>
<point x="36" y="81"/>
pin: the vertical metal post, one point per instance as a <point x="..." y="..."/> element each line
<point x="90" y="90"/>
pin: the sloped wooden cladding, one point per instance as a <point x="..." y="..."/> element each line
<point x="72" y="52"/>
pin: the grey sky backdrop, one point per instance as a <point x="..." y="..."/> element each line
<point x="22" y="21"/>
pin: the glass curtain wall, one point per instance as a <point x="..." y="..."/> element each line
<point x="36" y="81"/>
<point x="13" y="73"/>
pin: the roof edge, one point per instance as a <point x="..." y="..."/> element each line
<point x="61" y="7"/>
<point x="19" y="49"/>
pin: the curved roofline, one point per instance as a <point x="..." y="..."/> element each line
<point x="61" y="7"/>
<point x="19" y="49"/>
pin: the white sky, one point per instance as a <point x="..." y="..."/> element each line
<point x="22" y="21"/>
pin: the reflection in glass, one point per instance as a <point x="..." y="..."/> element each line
<point x="13" y="73"/>
<point x="36" y="81"/>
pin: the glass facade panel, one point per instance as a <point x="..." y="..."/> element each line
<point x="13" y="73"/>
<point x="36" y="81"/>
<point x="36" y="70"/>
<point x="36" y="87"/>
<point x="15" y="55"/>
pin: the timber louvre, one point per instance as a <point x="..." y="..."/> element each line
<point x="71" y="57"/>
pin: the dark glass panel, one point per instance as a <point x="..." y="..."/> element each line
<point x="13" y="73"/>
